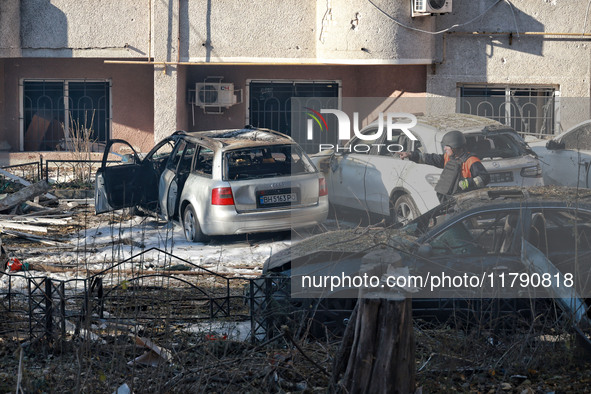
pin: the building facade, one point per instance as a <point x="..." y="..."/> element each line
<point x="141" y="69"/>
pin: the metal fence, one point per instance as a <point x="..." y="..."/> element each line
<point x="61" y="173"/>
<point x="30" y="172"/>
<point x="50" y="309"/>
<point x="72" y="172"/>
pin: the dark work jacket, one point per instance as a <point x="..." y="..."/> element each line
<point x="475" y="169"/>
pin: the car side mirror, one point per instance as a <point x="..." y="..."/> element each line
<point x="553" y="145"/>
<point x="425" y="250"/>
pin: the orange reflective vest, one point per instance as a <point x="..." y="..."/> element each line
<point x="465" y="165"/>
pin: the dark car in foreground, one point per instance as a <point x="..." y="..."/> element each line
<point x="219" y="182"/>
<point x="512" y="245"/>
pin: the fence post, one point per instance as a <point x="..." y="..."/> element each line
<point x="48" y="309"/>
<point x="99" y="284"/>
<point x="252" y="311"/>
<point x="10" y="293"/>
<point x="63" y="308"/>
<point x="40" y="169"/>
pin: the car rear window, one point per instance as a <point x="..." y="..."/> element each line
<point x="266" y="162"/>
<point x="495" y="145"/>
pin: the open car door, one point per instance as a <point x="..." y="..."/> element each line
<point x="120" y="184"/>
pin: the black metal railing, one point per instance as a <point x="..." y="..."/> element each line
<point x="189" y="294"/>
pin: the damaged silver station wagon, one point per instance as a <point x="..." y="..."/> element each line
<point x="218" y="183"/>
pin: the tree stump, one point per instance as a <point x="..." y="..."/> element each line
<point x="377" y="354"/>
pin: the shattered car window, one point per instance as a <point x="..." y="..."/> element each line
<point x="480" y="234"/>
<point x="163" y="152"/>
<point x="560" y="230"/>
<point x="266" y="162"/>
<point x="176" y="156"/>
<point x="494" y="145"/>
<point x="580" y="138"/>
<point x="204" y="161"/>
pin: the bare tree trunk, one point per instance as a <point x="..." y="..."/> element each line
<point x="378" y="349"/>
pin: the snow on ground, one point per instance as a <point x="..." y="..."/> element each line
<point x="111" y="240"/>
<point x="235" y="255"/>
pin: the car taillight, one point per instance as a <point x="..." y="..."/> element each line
<point x="222" y="196"/>
<point x="531" y="172"/>
<point x="322" y="190"/>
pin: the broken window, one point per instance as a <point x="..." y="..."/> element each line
<point x="204" y="161"/>
<point x="176" y="156"/>
<point x="264" y="162"/>
<point x="579" y="138"/>
<point x="480" y="234"/>
<point x="65" y="115"/>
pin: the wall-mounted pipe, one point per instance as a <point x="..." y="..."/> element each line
<point x="510" y="35"/>
<point x="150" y="30"/>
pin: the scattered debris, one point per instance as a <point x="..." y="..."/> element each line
<point x="36" y="238"/>
<point x="14" y="264"/>
<point x="28" y="192"/>
<point x="123" y="389"/>
<point x="154" y="356"/>
<point x="25" y="183"/>
<point x="18" y="226"/>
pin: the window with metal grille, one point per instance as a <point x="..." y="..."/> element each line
<point x="528" y="110"/>
<point x="65" y="115"/>
<point x="272" y="104"/>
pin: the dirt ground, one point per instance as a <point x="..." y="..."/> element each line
<point x="447" y="360"/>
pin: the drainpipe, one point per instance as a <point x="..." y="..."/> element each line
<point x="150" y="31"/>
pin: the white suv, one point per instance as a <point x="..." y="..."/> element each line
<point x="378" y="181"/>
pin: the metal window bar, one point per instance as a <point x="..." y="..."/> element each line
<point x="65" y="115"/>
<point x="272" y="105"/>
<point x="530" y="111"/>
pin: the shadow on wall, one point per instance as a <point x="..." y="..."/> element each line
<point x="44" y="29"/>
<point x="476" y="68"/>
<point x="518" y="21"/>
<point x="186" y="29"/>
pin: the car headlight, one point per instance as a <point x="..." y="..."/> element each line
<point x="531" y="172"/>
<point x="432" y="179"/>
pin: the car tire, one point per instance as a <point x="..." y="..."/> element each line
<point x="404" y="209"/>
<point x="191" y="227"/>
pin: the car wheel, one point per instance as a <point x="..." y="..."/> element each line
<point x="404" y="210"/>
<point x="191" y="226"/>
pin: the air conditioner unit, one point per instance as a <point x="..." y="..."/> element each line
<point x="427" y="7"/>
<point x="214" y="94"/>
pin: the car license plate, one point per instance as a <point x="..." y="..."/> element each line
<point x="278" y="198"/>
<point x="501" y="177"/>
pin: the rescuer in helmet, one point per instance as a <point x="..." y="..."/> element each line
<point x="462" y="171"/>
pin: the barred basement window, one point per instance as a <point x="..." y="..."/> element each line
<point x="62" y="114"/>
<point x="529" y="110"/>
<point x="272" y="104"/>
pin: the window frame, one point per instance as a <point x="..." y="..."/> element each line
<point x="507" y="104"/>
<point x="65" y="81"/>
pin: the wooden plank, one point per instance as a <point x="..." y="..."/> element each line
<point x="53" y="212"/>
<point x="14" y="199"/>
<point x="41" y="220"/>
<point x="36" y="238"/>
<point x="20" y="226"/>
